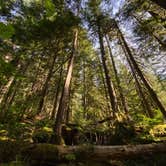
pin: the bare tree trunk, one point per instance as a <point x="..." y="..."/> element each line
<point x="11" y="80"/>
<point x="84" y="103"/>
<point x="105" y="87"/>
<point x="144" y="102"/>
<point x="12" y="88"/>
<point x="68" y="113"/>
<point x="5" y="89"/>
<point x="45" y="86"/>
<point x="123" y="101"/>
<point x="140" y="74"/>
<point x="65" y="93"/>
<point x="92" y="153"/>
<point x="57" y="96"/>
<point x="111" y="91"/>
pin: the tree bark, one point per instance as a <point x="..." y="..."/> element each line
<point x="123" y="101"/>
<point x="105" y="87"/>
<point x="12" y="87"/>
<point x="111" y="92"/>
<point x="145" y="105"/>
<point x="57" y="95"/>
<point x="54" y="153"/>
<point x="45" y="86"/>
<point x="65" y="93"/>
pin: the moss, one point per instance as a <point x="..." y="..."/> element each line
<point x="47" y="129"/>
<point x="158" y="131"/>
<point x="83" y="152"/>
<point x="70" y="157"/>
<point x="41" y="153"/>
<point x="42" y="135"/>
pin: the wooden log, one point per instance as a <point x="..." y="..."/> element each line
<point x="56" y="153"/>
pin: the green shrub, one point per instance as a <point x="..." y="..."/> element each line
<point x="158" y="131"/>
<point x="70" y="157"/>
<point x="42" y="135"/>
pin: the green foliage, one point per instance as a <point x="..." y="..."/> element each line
<point x="43" y="135"/>
<point x="158" y="132"/>
<point x="36" y="32"/>
<point x="6" y="31"/>
<point x="15" y="130"/>
<point x="143" y="120"/>
<point x="50" y="8"/>
<point x="6" y="69"/>
<point x="44" y="123"/>
<point x="70" y="157"/>
<point x="123" y="133"/>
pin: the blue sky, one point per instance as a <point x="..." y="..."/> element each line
<point x="117" y="4"/>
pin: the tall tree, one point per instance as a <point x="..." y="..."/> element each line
<point x="141" y="75"/>
<point x="122" y="98"/>
<point x="66" y="89"/>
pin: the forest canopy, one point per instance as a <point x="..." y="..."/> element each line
<point x="85" y="71"/>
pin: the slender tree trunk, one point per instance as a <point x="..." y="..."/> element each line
<point x="144" y="102"/>
<point x="140" y="74"/>
<point x="68" y="111"/>
<point x="57" y="96"/>
<point x="45" y="86"/>
<point x="29" y="101"/>
<point x="11" y="80"/>
<point x="123" y="101"/>
<point x="105" y="87"/>
<point x="12" y="88"/>
<point x="84" y="103"/>
<point x="111" y="91"/>
<point x="65" y="93"/>
<point x="5" y="89"/>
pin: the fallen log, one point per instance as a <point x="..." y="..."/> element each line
<point x="57" y="153"/>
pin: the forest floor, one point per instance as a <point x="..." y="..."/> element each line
<point x="88" y="155"/>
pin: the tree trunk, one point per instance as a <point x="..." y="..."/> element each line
<point x="45" y="86"/>
<point x="140" y="74"/>
<point x="57" y="95"/>
<point x="106" y="92"/>
<point x="105" y="87"/>
<point x="52" y="153"/>
<point x="65" y="93"/>
<point x="12" y="88"/>
<point x="123" y="101"/>
<point x="144" y="102"/>
<point x="111" y="91"/>
<point x="84" y="99"/>
<point x="5" y="90"/>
